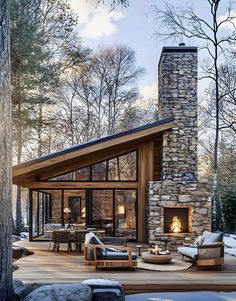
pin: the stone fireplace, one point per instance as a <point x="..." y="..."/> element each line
<point x="176" y="219"/>
<point x="179" y="195"/>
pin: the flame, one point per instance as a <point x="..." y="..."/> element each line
<point x="175" y="226"/>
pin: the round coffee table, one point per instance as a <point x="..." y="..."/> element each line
<point x="152" y="258"/>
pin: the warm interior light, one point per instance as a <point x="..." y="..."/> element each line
<point x="67" y="210"/>
<point x="121" y="209"/>
<point x="83" y="212"/>
<point x="175" y="225"/>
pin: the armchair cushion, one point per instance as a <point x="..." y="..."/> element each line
<point x="198" y="242"/>
<point x="91" y="238"/>
<point x="212" y="237"/>
<point x="117" y="255"/>
<point x="191" y="252"/>
<point x="206" y="251"/>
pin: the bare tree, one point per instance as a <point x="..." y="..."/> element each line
<point x="92" y="101"/>
<point x="114" y="3"/>
<point x="185" y="22"/>
<point x="227" y="74"/>
<point x="120" y="83"/>
<point x="6" y="288"/>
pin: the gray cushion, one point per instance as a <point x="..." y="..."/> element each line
<point x="199" y="241"/>
<point x="188" y="251"/>
<point x="212" y="237"/>
<point x="110" y="255"/>
<point x="91" y="238"/>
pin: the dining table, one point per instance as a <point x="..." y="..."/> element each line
<point x="72" y="232"/>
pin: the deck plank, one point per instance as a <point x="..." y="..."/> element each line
<point x="46" y="267"/>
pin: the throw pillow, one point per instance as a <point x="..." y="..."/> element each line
<point x="212" y="237"/>
<point x="199" y="241"/>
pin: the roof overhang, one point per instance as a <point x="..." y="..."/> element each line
<point x="87" y="153"/>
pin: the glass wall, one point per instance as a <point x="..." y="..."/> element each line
<point x="102" y="210"/>
<point x="40" y="204"/>
<point x="125" y="213"/>
<point x="34" y="214"/>
<point x="121" y="168"/>
<point x="114" y="210"/>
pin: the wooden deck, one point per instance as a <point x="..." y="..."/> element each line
<point x="45" y="267"/>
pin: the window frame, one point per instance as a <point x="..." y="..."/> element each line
<point x="107" y="171"/>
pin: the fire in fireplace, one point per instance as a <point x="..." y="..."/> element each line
<point x="176" y="220"/>
<point x="175" y="225"/>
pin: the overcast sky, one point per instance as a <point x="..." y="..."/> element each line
<point x="134" y="27"/>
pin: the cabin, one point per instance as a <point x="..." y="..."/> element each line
<point x="142" y="183"/>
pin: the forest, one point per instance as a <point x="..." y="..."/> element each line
<point x="63" y="93"/>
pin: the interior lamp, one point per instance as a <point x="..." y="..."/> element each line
<point x="121" y="209"/>
<point x="67" y="210"/>
<point x="83" y="212"/>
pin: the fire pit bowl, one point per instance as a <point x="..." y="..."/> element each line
<point x="152" y="258"/>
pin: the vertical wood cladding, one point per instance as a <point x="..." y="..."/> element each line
<point x="157" y="159"/>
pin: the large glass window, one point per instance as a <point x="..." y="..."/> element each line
<point x="34" y="214"/>
<point x="102" y="209"/>
<point x="125" y="213"/>
<point x="82" y="174"/>
<point x="121" y="168"/>
<point x="114" y="210"/>
<point x="99" y="171"/>
<point x="40" y="212"/>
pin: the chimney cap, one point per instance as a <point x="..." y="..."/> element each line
<point x="179" y="49"/>
<point x="182" y="44"/>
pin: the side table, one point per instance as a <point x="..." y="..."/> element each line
<point x="139" y="249"/>
<point x="165" y="240"/>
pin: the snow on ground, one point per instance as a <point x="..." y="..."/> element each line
<point x="230" y="244"/>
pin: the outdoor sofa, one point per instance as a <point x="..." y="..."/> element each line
<point x="208" y="250"/>
<point x="102" y="255"/>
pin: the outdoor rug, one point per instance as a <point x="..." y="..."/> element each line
<point x="174" y="265"/>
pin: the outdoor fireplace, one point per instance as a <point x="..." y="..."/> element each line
<point x="176" y="220"/>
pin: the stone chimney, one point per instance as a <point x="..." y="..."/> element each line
<point x="178" y="98"/>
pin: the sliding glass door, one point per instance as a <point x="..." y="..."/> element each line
<point x="115" y="210"/>
<point x="125" y="213"/>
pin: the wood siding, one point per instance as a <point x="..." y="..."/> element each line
<point x="157" y="160"/>
<point x="145" y="174"/>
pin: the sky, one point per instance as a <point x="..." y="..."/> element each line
<point x="133" y="26"/>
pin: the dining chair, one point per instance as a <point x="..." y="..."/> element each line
<point x="80" y="239"/>
<point x="61" y="237"/>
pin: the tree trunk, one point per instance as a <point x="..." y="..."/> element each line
<point x="217" y="218"/>
<point x="19" y="154"/>
<point x="39" y="130"/>
<point x="6" y="288"/>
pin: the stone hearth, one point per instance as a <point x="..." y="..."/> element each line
<point x="192" y="195"/>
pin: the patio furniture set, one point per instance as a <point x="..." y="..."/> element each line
<point x="208" y="249"/>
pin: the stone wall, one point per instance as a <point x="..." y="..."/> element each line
<point x="179" y="186"/>
<point x="163" y="194"/>
<point x="178" y="98"/>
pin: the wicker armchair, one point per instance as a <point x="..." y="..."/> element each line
<point x="61" y="237"/>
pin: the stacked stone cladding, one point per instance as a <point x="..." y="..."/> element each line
<point x="179" y="186"/>
<point x="178" y="98"/>
<point x="194" y="195"/>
